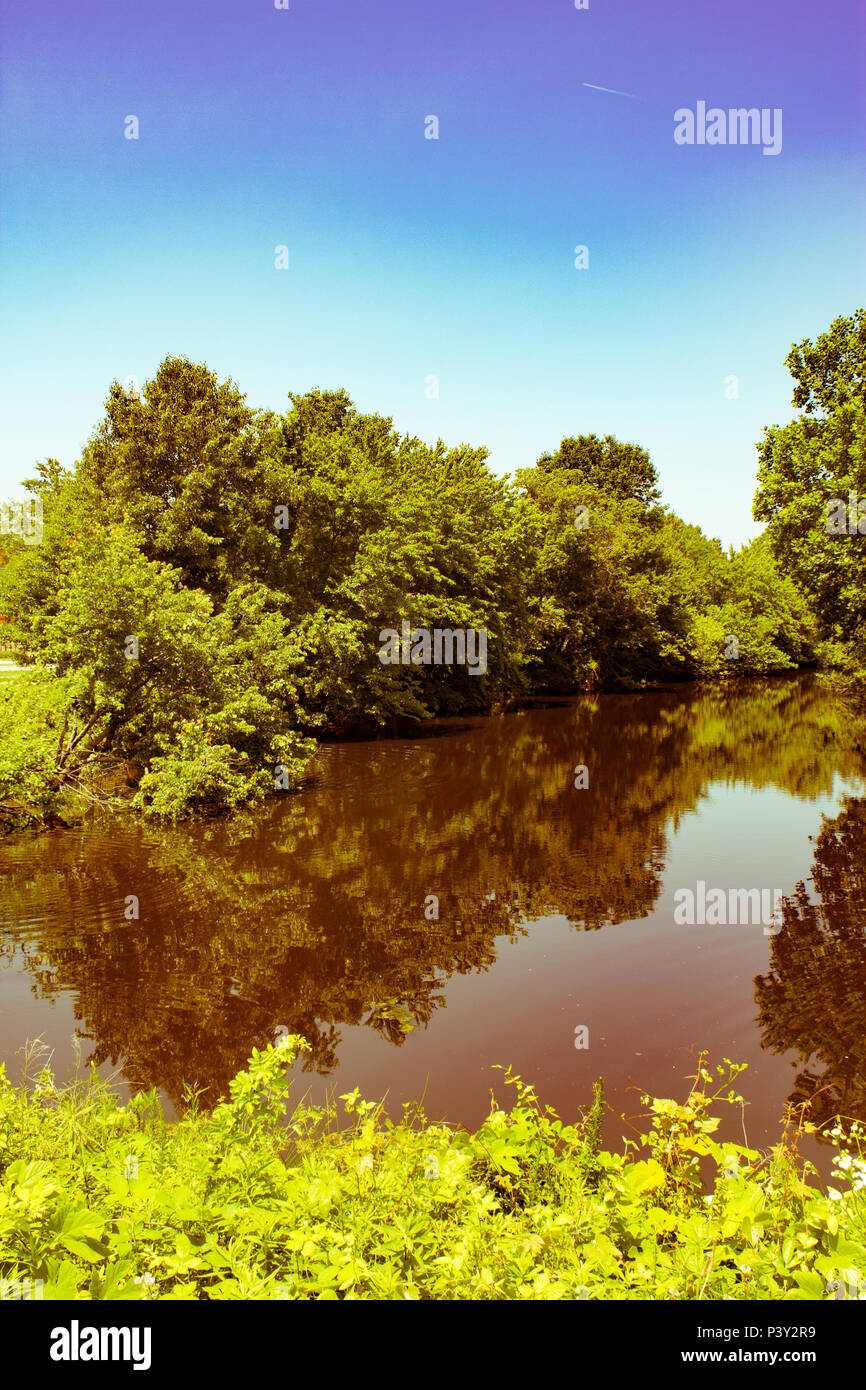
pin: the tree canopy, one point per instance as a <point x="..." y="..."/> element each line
<point x="618" y="470"/>
<point x="213" y="582"/>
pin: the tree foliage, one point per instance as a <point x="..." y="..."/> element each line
<point x="214" y="581"/>
<point x="809" y="466"/>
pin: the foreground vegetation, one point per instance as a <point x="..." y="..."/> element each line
<point x="211" y="587"/>
<point x="253" y="1200"/>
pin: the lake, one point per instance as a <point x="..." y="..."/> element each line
<point x="434" y="905"/>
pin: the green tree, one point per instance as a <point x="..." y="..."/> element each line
<point x="149" y="677"/>
<point x="806" y="466"/>
<point x="608" y="465"/>
<point x="180" y="463"/>
<point x="376" y="529"/>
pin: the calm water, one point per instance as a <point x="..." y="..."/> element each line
<point x="556" y="910"/>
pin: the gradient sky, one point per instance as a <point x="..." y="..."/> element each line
<point x="412" y="257"/>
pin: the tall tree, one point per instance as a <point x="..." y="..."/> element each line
<point x="180" y="463"/>
<point x="812" y="478"/>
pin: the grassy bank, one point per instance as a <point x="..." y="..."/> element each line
<point x="109" y="1201"/>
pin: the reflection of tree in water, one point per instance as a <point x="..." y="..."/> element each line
<point x="813" y="1001"/>
<point x="310" y="912"/>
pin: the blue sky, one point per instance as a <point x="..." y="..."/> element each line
<point x="411" y="258"/>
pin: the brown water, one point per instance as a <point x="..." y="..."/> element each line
<point x="555" y="904"/>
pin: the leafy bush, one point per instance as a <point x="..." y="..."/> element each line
<point x="136" y="670"/>
<point x="32" y="708"/>
<point x="108" y="1201"/>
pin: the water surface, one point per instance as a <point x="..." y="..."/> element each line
<point x="555" y="912"/>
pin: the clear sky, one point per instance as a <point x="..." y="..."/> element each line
<point x="412" y="257"/>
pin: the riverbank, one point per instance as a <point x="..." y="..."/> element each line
<point x="36" y="799"/>
<point x="100" y="1200"/>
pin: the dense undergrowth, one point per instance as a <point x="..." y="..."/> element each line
<point x="258" y="1200"/>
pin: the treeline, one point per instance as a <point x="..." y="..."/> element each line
<point x="212" y="582"/>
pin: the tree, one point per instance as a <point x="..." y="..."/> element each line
<point x="607" y="465"/>
<point x="50" y="481"/>
<point x="145" y="675"/>
<point x="812" y="464"/>
<point x="377" y="529"/>
<point x="180" y="464"/>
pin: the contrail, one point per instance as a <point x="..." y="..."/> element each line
<point x="612" y="91"/>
